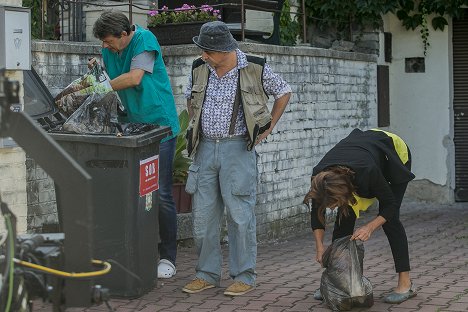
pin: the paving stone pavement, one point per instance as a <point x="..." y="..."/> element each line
<point x="288" y="274"/>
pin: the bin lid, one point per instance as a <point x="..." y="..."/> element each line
<point x="138" y="140"/>
<point x="38" y="102"/>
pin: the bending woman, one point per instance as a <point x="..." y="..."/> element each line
<point x="363" y="167"/>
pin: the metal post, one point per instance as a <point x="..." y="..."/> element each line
<point x="242" y="21"/>
<point x="304" y="26"/>
<point x="42" y="18"/>
<point x="79" y="21"/>
<point x="130" y="12"/>
<point x="71" y="12"/>
<point x="61" y="20"/>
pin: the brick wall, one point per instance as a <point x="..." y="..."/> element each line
<point x="333" y="92"/>
<point x="13" y="184"/>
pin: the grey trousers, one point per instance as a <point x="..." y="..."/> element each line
<point x="224" y="174"/>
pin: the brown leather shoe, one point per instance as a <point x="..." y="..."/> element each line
<point x="197" y="285"/>
<point x="238" y="288"/>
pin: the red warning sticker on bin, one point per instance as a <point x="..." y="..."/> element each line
<point x="149" y="175"/>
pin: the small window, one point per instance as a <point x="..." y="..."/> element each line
<point x="415" y="65"/>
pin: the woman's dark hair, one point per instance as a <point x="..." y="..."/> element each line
<point x="330" y="188"/>
<point x="111" y="23"/>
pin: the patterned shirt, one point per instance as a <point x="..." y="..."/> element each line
<point x="221" y="93"/>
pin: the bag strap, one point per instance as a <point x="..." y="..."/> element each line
<point x="235" y="107"/>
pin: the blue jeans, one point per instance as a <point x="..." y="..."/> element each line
<point x="224" y="174"/>
<point x="167" y="210"/>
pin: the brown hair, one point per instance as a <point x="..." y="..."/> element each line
<point x="111" y="23"/>
<point x="331" y="188"/>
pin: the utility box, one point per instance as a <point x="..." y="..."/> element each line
<point x="15" y="38"/>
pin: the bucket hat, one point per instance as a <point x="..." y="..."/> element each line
<point x="215" y="36"/>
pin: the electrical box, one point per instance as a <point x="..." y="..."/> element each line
<point x="15" y="38"/>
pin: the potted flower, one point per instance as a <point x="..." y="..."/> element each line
<point x="181" y="164"/>
<point x="180" y="25"/>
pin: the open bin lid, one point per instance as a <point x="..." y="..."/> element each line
<point x="38" y="102"/>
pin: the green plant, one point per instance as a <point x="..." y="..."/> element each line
<point x="289" y="28"/>
<point x="181" y="161"/>
<point x="368" y="13"/>
<point x="49" y="31"/>
<point x="184" y="14"/>
<point x="344" y="15"/>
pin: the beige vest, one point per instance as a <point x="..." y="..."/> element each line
<point x="252" y="98"/>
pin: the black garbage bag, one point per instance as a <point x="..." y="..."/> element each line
<point x="342" y="285"/>
<point x="97" y="115"/>
<point x="126" y="129"/>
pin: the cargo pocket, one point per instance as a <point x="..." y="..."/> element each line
<point x="192" y="179"/>
<point x="243" y="184"/>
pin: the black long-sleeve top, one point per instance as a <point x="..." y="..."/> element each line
<point x="375" y="162"/>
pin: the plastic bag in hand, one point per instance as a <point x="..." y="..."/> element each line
<point x="343" y="286"/>
<point x="95" y="81"/>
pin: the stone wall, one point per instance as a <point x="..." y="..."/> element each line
<point x="333" y="92"/>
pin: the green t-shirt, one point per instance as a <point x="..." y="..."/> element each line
<point x="151" y="101"/>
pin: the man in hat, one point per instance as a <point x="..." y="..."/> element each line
<point x="227" y="100"/>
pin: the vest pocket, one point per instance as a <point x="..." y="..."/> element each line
<point x="192" y="179"/>
<point x="255" y="107"/>
<point x="197" y="95"/>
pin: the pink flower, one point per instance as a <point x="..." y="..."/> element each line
<point x="206" y="8"/>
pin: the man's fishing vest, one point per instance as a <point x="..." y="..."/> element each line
<point x="253" y="100"/>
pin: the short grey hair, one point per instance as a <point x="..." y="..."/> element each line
<point x="111" y="23"/>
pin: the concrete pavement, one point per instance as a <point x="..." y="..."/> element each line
<point x="288" y="273"/>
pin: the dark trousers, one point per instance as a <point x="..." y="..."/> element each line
<point x="393" y="228"/>
<point x="167" y="209"/>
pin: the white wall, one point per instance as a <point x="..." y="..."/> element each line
<point x="92" y="13"/>
<point x="420" y="103"/>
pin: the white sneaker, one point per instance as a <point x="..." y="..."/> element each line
<point x="166" y="269"/>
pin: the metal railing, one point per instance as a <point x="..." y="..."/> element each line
<point x="73" y="12"/>
<point x="67" y="17"/>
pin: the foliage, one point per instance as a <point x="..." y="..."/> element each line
<point x="343" y="15"/>
<point x="36" y="19"/>
<point x="181" y="162"/>
<point x="184" y="14"/>
<point x="289" y="29"/>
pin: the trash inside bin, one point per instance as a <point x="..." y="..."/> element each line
<point x="89" y="103"/>
<point x="124" y="173"/>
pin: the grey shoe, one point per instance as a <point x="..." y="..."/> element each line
<point x="318" y="295"/>
<point x="395" y="298"/>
